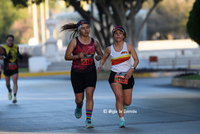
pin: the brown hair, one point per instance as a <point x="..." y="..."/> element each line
<point x="70" y="27"/>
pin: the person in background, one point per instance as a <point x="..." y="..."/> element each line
<point x="1" y="57"/>
<point x="121" y="79"/>
<point x="10" y="55"/>
<point x="81" y="51"/>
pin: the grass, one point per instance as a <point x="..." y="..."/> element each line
<point x="21" y="70"/>
<point x="191" y="77"/>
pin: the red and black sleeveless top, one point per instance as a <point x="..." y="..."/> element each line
<point x="86" y="64"/>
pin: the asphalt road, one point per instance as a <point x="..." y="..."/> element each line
<point x="46" y="105"/>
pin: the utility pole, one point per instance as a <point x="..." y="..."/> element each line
<point x="42" y="22"/>
<point x="35" y="23"/>
<point x="47" y="16"/>
<point x="91" y="19"/>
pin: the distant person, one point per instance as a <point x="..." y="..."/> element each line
<point x="81" y="51"/>
<point x="1" y="57"/>
<point x="121" y="79"/>
<point x="10" y="54"/>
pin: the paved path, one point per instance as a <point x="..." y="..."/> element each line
<point x="46" y="105"/>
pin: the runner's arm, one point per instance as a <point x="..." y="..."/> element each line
<point x="18" y="54"/>
<point x="70" y="49"/>
<point x="98" y="50"/>
<point x="4" y="54"/>
<point x="103" y="60"/>
<point x="1" y="53"/>
<point x="136" y="60"/>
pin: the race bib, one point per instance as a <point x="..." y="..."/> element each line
<point x="120" y="78"/>
<point x="88" y="60"/>
<point x="12" y="66"/>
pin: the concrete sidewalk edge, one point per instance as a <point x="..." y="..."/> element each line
<point x="101" y="75"/>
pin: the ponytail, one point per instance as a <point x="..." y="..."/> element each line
<point x="74" y="27"/>
<point x="70" y="27"/>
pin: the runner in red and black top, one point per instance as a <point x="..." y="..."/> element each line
<point x="83" y="72"/>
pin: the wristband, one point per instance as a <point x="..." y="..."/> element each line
<point x="133" y="68"/>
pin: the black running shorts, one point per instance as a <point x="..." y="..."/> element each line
<point x="124" y="86"/>
<point x="80" y="81"/>
<point x="10" y="72"/>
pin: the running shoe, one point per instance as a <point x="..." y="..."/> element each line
<point x="78" y="112"/>
<point x="88" y="124"/>
<point x="14" y="100"/>
<point x="122" y="124"/>
<point x="125" y="107"/>
<point x="10" y="95"/>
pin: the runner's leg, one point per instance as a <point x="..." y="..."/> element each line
<point x="7" y="78"/>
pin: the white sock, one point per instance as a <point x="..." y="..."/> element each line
<point x="122" y="118"/>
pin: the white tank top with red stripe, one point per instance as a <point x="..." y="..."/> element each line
<point x="121" y="61"/>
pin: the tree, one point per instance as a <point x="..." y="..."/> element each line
<point x="169" y="19"/>
<point x="193" y="25"/>
<point x="114" y="13"/>
<point x="111" y="13"/>
<point x="8" y="14"/>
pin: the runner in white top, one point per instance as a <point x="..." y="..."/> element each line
<point x="121" y="61"/>
<point x="121" y="79"/>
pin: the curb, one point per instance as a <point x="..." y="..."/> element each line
<point x="101" y="76"/>
<point x="185" y="83"/>
<point x="40" y="74"/>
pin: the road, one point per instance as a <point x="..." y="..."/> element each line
<point x="46" y="105"/>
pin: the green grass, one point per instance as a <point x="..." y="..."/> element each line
<point x="21" y="70"/>
<point x="191" y="77"/>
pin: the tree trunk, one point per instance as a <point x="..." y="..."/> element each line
<point x="144" y="21"/>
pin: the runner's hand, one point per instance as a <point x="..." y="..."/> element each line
<point x="129" y="73"/>
<point x="81" y="55"/>
<point x="98" y="57"/>
<point x="9" y="55"/>
<point x="20" y="56"/>
<point x="99" y="68"/>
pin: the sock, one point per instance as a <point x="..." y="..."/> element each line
<point x="15" y="95"/>
<point x="88" y="114"/>
<point x="79" y="105"/>
<point x="9" y="90"/>
<point x="122" y="118"/>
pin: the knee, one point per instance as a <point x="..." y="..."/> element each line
<point x="79" y="100"/>
<point x="119" y="98"/>
<point x="127" y="103"/>
<point x="15" y="82"/>
<point x="89" y="96"/>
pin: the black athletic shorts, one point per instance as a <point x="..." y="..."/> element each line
<point x="124" y="86"/>
<point x="80" y="81"/>
<point x="10" y="72"/>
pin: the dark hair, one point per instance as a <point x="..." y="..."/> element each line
<point x="10" y="35"/>
<point x="73" y="27"/>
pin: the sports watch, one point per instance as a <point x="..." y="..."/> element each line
<point x="133" y="68"/>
